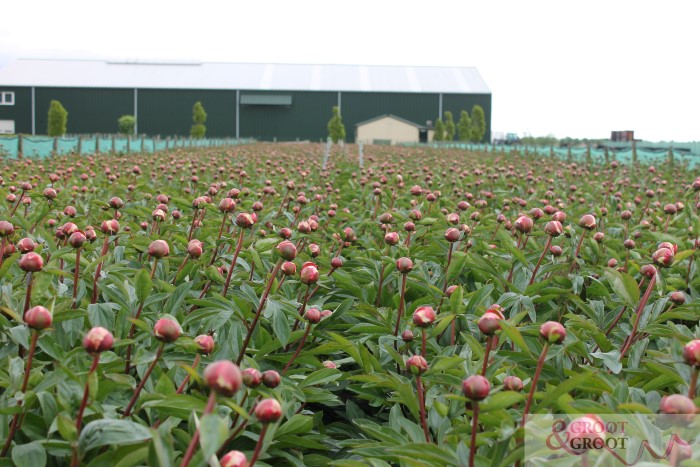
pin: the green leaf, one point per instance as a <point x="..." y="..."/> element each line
<point x="143" y="285"/>
<point x="295" y="425"/>
<point x="7" y="264"/>
<point x="624" y="286"/>
<point x="31" y="454"/>
<point x="177" y="298"/>
<point x="178" y="405"/>
<point x="501" y="400"/>
<point x="456" y="266"/>
<point x="322" y="376"/>
<point x="111" y="433"/>
<point x="280" y="325"/>
<point x="514" y="335"/>
<point x="213" y="432"/>
<point x="101" y="314"/>
<point x="610" y="359"/>
<point x="456" y="299"/>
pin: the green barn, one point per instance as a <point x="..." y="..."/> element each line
<point x="281" y="102"/>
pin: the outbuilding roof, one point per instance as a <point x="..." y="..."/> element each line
<point x="244" y="76"/>
<point x="392" y="116"/>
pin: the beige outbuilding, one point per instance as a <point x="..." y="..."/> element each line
<point x="390" y="129"/>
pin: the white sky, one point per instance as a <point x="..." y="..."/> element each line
<point x="569" y="68"/>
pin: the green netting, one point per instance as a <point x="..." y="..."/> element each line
<point x="105" y="144"/>
<point x="87" y="146"/>
<point x="120" y="144"/>
<point x="66" y="145"/>
<point x="135" y="145"/>
<point x="8" y="146"/>
<point x="160" y="145"/>
<point x="37" y="147"/>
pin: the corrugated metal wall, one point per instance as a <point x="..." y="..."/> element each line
<point x="168" y="112"/>
<point x="455" y="103"/>
<point x="89" y="110"/>
<point x="306" y="118"/>
<point x="21" y="112"/>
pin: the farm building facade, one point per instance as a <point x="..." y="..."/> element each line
<point x="267" y="102"/>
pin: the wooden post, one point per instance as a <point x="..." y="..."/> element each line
<point x="634" y="152"/>
<point x="143" y="143"/>
<point x="128" y="144"/>
<point x="114" y="145"/>
<point x="20" y="150"/>
<point x="97" y="144"/>
<point x="80" y="145"/>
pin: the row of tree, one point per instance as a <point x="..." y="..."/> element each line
<point x="58" y="121"/>
<point x="469" y="128"/>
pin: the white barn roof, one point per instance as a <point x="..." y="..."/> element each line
<point x="244" y="76"/>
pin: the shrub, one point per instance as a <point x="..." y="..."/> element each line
<point x="58" y="119"/>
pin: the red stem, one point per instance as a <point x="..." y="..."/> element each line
<point x="194" y="219"/>
<point x="239" y="245"/>
<point x="640" y="309"/>
<point x="299" y="347"/>
<point x="75" y="278"/>
<point x="258" y="446"/>
<point x="15" y="425"/>
<point x="195" y="438"/>
<point x="578" y="250"/>
<point x="261" y="305"/>
<point x="475" y="426"/>
<point x="544" y="252"/>
<point x="489" y="344"/>
<point x="401" y="304"/>
<point x="132" y="402"/>
<point x="195" y="364"/>
<point x="86" y="393"/>
<point x="533" y="383"/>
<point x="28" y="295"/>
<point x="421" y="406"/>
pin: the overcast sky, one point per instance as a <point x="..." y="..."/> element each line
<point x="561" y="67"/>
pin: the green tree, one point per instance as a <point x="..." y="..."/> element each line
<point x="199" y="117"/>
<point x="127" y="124"/>
<point x="336" y="128"/>
<point x="58" y="119"/>
<point x="464" y="126"/>
<point x="478" y="126"/>
<point x="449" y="126"/>
<point x="439" y="132"/>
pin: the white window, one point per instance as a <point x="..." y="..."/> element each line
<point x="7" y="98"/>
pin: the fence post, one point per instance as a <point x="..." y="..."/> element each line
<point x="143" y="143"/>
<point x="128" y="144"/>
<point x="20" y="144"/>
<point x="97" y="144"/>
<point x="634" y="152"/>
<point x="80" y="145"/>
<point x="114" y="146"/>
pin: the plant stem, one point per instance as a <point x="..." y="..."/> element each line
<point x="15" y="425"/>
<point x="424" y="340"/>
<point x="105" y="248"/>
<point x="401" y="304"/>
<point x="180" y="269"/>
<point x="421" y="406"/>
<point x="239" y="245"/>
<point x="28" y="295"/>
<point x="194" y="220"/>
<point x="258" y="446"/>
<point x="153" y="269"/>
<point x="296" y="354"/>
<point x="261" y="305"/>
<point x="640" y="309"/>
<point x="578" y="250"/>
<point x="489" y="345"/>
<point x="195" y="364"/>
<point x="475" y="426"/>
<point x="86" y="393"/>
<point x="153" y="364"/>
<point x="539" y="261"/>
<point x="195" y="438"/>
<point x="132" y="331"/>
<point x="533" y="383"/>
<point x="693" y="382"/>
<point x="76" y="276"/>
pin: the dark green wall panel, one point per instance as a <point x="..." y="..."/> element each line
<point x="90" y="110"/>
<point x="455" y="103"/>
<point x="21" y="112"/>
<point x="168" y="112"/>
<point x="306" y="118"/>
<point x="358" y="107"/>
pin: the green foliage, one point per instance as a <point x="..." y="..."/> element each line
<point x="478" y="126"/>
<point x="199" y="117"/>
<point x="58" y="119"/>
<point x="336" y="128"/>
<point x="449" y="127"/>
<point x="439" y="132"/>
<point x="127" y="124"/>
<point x="464" y="126"/>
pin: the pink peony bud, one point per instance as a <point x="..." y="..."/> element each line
<point x="38" y="318"/>
<point x="512" y="383"/>
<point x="223" y="377"/>
<point x="268" y="411"/>
<point x="98" y="339"/>
<point x="416" y="365"/>
<point x="476" y="387"/>
<point x="691" y="353"/>
<point x="31" y="262"/>
<point x="167" y="330"/>
<point x="663" y="257"/>
<point x="404" y="265"/>
<point x="245" y="220"/>
<point x="587" y="221"/>
<point x="271" y="379"/>
<point x="205" y="343"/>
<point x="234" y="459"/>
<point x="313" y="315"/>
<point x="407" y="335"/>
<point x="309" y="273"/>
<point x="424" y="316"/>
<point x="195" y="248"/>
<point x="252" y="378"/>
<point x="287" y="250"/>
<point x="26" y="245"/>
<point x="553" y="332"/>
<point x="159" y="249"/>
<point x="489" y="323"/>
